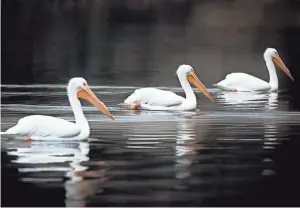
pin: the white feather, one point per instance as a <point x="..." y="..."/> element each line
<point x="243" y="82"/>
<point x="154" y="96"/>
<point x="44" y="126"/>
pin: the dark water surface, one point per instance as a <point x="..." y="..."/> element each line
<point x="243" y="149"/>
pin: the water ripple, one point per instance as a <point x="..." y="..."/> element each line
<point x="154" y="157"/>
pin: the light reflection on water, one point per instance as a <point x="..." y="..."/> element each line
<point x="154" y="158"/>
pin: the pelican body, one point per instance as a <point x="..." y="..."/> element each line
<point x="43" y="127"/>
<point x="157" y="99"/>
<point x="246" y="82"/>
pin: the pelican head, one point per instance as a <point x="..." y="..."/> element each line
<point x="188" y="72"/>
<point x="273" y="54"/>
<point x="83" y="91"/>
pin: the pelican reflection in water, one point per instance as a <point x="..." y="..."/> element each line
<point x="252" y="100"/>
<point x="66" y="159"/>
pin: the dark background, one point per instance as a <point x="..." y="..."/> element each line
<point x="112" y="42"/>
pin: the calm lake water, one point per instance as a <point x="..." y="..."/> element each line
<point x="240" y="150"/>
<point x="243" y="149"/>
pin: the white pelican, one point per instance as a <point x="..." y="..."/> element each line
<point x="39" y="126"/>
<point x="156" y="99"/>
<point x="245" y="82"/>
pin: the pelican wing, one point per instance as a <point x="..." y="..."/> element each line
<point x="154" y="96"/>
<point x="38" y="125"/>
<point x="243" y="82"/>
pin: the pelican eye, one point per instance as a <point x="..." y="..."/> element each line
<point x="84" y="84"/>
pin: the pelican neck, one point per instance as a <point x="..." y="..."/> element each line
<point x="76" y="106"/>
<point x="273" y="81"/>
<point x="189" y="93"/>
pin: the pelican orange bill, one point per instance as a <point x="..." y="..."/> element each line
<point x="193" y="79"/>
<point x="88" y="95"/>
